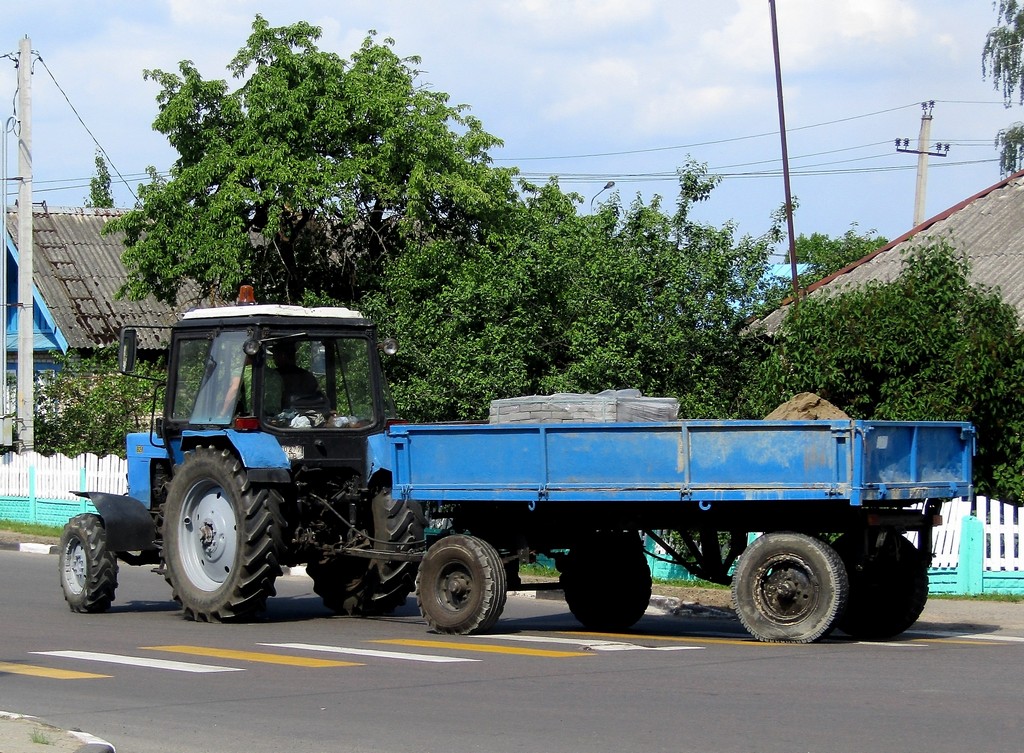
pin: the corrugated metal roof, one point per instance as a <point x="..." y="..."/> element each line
<point x="78" y="272"/>
<point x="987" y="227"/>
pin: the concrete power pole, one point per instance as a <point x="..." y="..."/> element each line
<point x="26" y="339"/>
<point x="922" y="152"/>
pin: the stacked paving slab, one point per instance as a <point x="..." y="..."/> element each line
<point x="566" y="407"/>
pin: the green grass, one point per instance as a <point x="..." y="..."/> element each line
<point x="33" y="529"/>
<point x="40" y="738"/>
<point x="1007" y="598"/>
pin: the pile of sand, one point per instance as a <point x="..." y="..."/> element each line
<point x="806" y="406"/>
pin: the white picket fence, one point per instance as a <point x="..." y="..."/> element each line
<point x="56" y="477"/>
<point x="39" y="489"/>
<point x="1002" y="534"/>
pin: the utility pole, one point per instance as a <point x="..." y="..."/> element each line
<point x="795" y="278"/>
<point x="922" y="152"/>
<point x="26" y="339"/>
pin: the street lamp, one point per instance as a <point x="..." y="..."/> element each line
<point x="609" y="184"/>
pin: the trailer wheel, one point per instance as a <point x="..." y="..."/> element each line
<point x="88" y="570"/>
<point x="461" y="585"/>
<point x="789" y="587"/>
<point x="607" y="581"/>
<point x="888" y="592"/>
<point x="221" y="547"/>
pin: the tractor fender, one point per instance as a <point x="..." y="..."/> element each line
<point x="256" y="449"/>
<point x="127" y="521"/>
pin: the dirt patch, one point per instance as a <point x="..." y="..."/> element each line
<point x="806" y="406"/>
<point x="12" y="537"/>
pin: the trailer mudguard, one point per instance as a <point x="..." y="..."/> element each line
<point x="127" y="521"/>
<point x="378" y="454"/>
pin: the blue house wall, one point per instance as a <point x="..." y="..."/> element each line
<point x="47" y="337"/>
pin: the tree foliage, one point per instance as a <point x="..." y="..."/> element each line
<point x="927" y="346"/>
<point x="311" y="173"/>
<point x="630" y="297"/>
<point x="1002" y="58"/>
<point x="87" y="405"/>
<point x="100" y="194"/>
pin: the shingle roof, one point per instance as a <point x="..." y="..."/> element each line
<point x="78" y="272"/>
<point x="987" y="227"/>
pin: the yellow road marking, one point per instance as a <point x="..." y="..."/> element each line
<point x="53" y="674"/>
<point x="486" y="648"/>
<point x="254" y="656"/>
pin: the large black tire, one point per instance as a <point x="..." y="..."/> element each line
<point x="399" y="523"/>
<point x="887" y="593"/>
<point x="607" y="581"/>
<point x="341" y="583"/>
<point x="88" y="570"/>
<point x="789" y="587"/>
<point x="221" y="547"/>
<point x="461" y="585"/>
<point x="360" y="586"/>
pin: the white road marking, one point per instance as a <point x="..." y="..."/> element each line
<point x="973" y="636"/>
<point x="594" y="645"/>
<point x="404" y="656"/>
<point x="136" y="661"/>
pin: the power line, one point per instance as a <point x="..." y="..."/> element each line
<point x="93" y="137"/>
<point x="709" y="143"/>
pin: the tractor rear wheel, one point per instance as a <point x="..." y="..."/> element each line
<point x="221" y="546"/>
<point x="360" y="586"/>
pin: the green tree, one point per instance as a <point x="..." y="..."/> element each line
<point x="100" y="194"/>
<point x="87" y="405"/>
<point x="927" y="346"/>
<point x="309" y="175"/>
<point x="553" y="301"/>
<point x="1002" y="58"/>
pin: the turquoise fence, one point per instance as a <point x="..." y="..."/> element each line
<point x="40" y="489"/>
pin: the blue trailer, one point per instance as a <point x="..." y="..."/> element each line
<point x="831" y="501"/>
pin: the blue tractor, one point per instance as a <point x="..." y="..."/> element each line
<point x="269" y="453"/>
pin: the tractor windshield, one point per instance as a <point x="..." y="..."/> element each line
<point x="318" y="381"/>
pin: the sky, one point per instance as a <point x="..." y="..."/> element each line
<point x="590" y="91"/>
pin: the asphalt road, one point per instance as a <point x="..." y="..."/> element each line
<point x="301" y="680"/>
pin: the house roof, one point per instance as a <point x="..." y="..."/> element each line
<point x="988" y="228"/>
<point x="78" y="271"/>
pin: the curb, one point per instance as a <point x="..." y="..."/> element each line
<point x="20" y="732"/>
<point x="31" y="548"/>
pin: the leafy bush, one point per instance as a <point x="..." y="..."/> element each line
<point x="87" y="405"/>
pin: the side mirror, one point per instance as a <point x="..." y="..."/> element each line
<point x="126" y="350"/>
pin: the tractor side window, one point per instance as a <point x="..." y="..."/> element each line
<point x="192" y="358"/>
<point x="209" y="377"/>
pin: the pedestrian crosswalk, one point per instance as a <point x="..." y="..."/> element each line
<point x="76" y="664"/>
